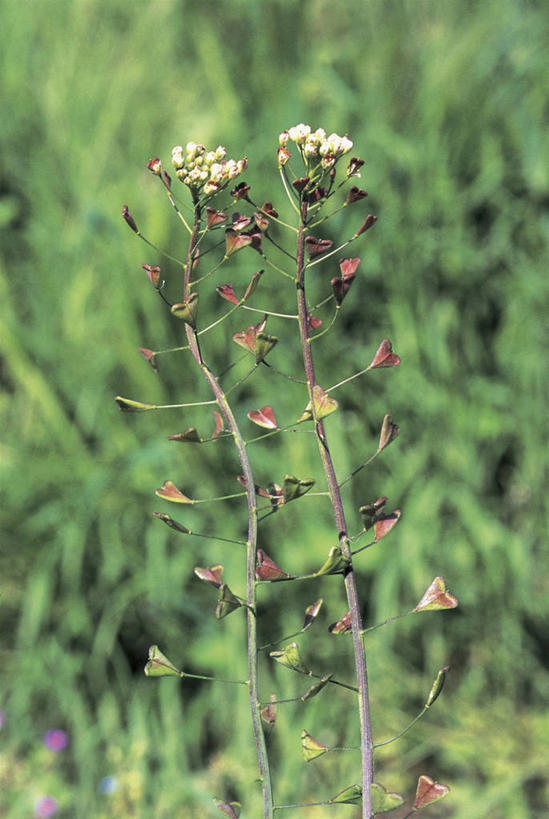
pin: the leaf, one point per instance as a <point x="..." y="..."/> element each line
<point x="323" y="404"/>
<point x="315" y="247"/>
<point x="153" y="272"/>
<point x="290" y="658"/>
<point x="437" y="686"/>
<point x="371" y="512"/>
<point x="226" y="292"/>
<point x="263" y="345"/>
<point x="169" y="491"/>
<point x="342" y="625"/>
<point x="235" y="241"/>
<point x="383" y="800"/>
<point x="294" y="488"/>
<point x="429" y="791"/>
<point x="127" y="405"/>
<point x="348" y="796"/>
<point x="251" y="288"/>
<point x="316" y="688"/>
<point x="367" y="224"/>
<point x="158" y="665"/>
<point x="264" y="417"/>
<point x="214" y="217"/>
<point x="384" y="525"/>
<point x="190" y="436"/>
<point x="311" y="613"/>
<point x="389" y="431"/>
<point x="267" y="569"/>
<point x="173" y="524"/>
<point x="310" y="747"/>
<point x="187" y="310"/>
<point x="230" y="809"/>
<point x="218" y="424"/>
<point x="341" y="284"/>
<point x="226" y="602"/>
<point x="384" y="356"/>
<point x="334" y="563"/>
<point x="268" y="713"/>
<point x="211" y="575"/>
<point x="247" y="338"/>
<point x="150" y="356"/>
<point x="437" y="597"/>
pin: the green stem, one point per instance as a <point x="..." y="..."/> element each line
<point x="251" y="545"/>
<point x="341" y="525"/>
<point x="410" y="725"/>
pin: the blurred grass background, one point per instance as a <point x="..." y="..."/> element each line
<point x="447" y="103"/>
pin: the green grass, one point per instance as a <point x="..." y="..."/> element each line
<point x="446" y="102"/>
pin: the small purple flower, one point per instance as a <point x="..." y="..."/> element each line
<point x="56" y="739"/>
<point x="108" y="784"/>
<point x="45" y="806"/>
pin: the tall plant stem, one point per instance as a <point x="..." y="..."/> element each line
<point x="339" y="514"/>
<point x="251" y="545"/>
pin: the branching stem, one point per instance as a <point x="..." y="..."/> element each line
<point x="344" y="543"/>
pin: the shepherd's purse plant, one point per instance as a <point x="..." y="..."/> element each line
<point x="318" y="176"/>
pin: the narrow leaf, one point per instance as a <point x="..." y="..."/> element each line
<point x="173" y="524"/>
<point x="230" y="809"/>
<point x="218" y="424"/>
<point x="384" y="525"/>
<point x="437" y="686"/>
<point x="437" y="597"/>
<point x="429" y="791"/>
<point x="169" y="491"/>
<point x="316" y="688"/>
<point x="127" y="405"/>
<point x="268" y="713"/>
<point x="310" y="747"/>
<point x="150" y="356"/>
<point x="212" y="574"/>
<point x="348" y="796"/>
<point x="311" y="613"/>
<point x="190" y="436"/>
<point x="226" y="292"/>
<point x="389" y="432"/>
<point x="342" y="625"/>
<point x="334" y="563"/>
<point x="251" y="288"/>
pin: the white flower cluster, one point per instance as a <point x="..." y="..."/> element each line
<point x="315" y="145"/>
<point x="206" y="170"/>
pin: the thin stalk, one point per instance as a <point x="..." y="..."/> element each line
<point x="344" y="543"/>
<point x="251" y="546"/>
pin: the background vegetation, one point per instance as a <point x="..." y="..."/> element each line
<point x="447" y="103"/>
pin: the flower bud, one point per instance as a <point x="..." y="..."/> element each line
<point x="126" y="215"/>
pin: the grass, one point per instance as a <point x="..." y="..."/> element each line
<point x="447" y="104"/>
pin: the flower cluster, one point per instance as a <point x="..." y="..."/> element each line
<point x="206" y="171"/>
<point x="314" y="146"/>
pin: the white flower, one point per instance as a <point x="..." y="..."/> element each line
<point x="210" y="187"/>
<point x="299" y="133"/>
<point x="346" y="144"/>
<point x="310" y="149"/>
<point x="220" y="152"/>
<point x="283" y="138"/>
<point x="319" y="135"/>
<point x="177" y="156"/>
<point x="210" y="157"/>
